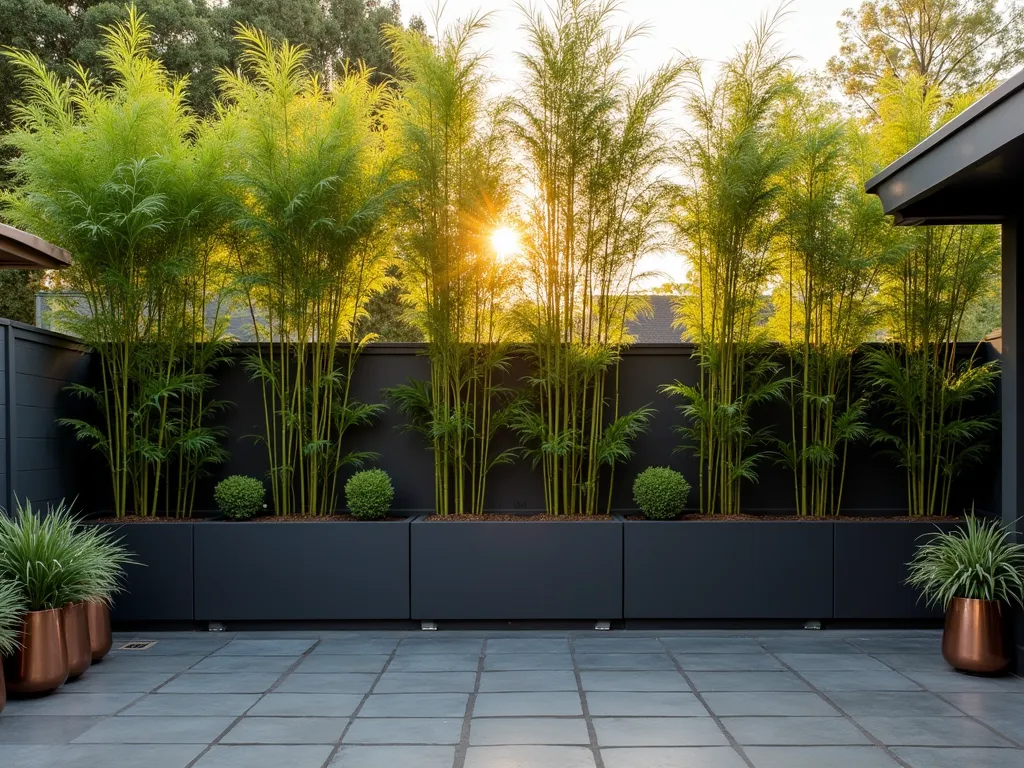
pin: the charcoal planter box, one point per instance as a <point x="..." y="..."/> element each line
<point x="506" y="570"/>
<point x="728" y="570"/>
<point x="160" y="587"/>
<point x="313" y="571"/>
<point x="871" y="570"/>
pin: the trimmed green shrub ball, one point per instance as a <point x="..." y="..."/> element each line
<point x="660" y="493"/>
<point x="239" y="497"/>
<point x="369" y="494"/>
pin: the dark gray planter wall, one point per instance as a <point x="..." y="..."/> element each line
<point x="465" y="570"/>
<point x="871" y="571"/>
<point x="161" y="587"/>
<point x="727" y="570"/>
<point x="263" y="571"/>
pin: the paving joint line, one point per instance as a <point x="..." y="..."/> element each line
<point x="336" y="748"/>
<point x="175" y="676"/>
<point x="842" y="712"/>
<point x="291" y="668"/>
<point x="737" y="747"/>
<point x="585" y="706"/>
<point x="462" y="748"/>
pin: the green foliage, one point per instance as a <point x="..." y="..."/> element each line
<point x="455" y="188"/>
<point x="125" y="178"/>
<point x="12" y="608"/>
<point x="18" y="295"/>
<point x="956" y="45"/>
<point x="660" y="493"/>
<point x="239" y="497"/>
<point x="52" y="561"/>
<point x="311" y="181"/>
<point x="594" y="144"/>
<point x="727" y="224"/>
<point x="977" y="562"/>
<point x="369" y="494"/>
<point x="932" y="435"/>
<point x="830" y="245"/>
<point x="106" y="556"/>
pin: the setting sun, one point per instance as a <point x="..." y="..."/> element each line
<point x="505" y="242"/>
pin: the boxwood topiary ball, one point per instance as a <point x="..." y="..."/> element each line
<point x="369" y="494"/>
<point x="239" y="497"/>
<point x="660" y="493"/>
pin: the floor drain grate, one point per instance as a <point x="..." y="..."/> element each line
<point x="138" y="645"/>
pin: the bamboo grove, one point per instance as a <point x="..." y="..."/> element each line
<point x="517" y="230"/>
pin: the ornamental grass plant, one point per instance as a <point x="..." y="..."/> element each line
<point x="12" y="608"/>
<point x="977" y="561"/>
<point x="53" y="561"/>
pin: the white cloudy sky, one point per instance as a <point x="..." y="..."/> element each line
<point x="708" y="29"/>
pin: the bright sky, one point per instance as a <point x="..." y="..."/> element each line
<point x="708" y="29"/>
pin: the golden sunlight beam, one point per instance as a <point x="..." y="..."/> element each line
<point x="505" y="242"/>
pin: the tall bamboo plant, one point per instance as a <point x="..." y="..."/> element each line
<point x="831" y="244"/>
<point x="310" y="182"/>
<point x="594" y="144"/>
<point x="454" y="196"/>
<point x="925" y="388"/>
<point x="126" y="179"/>
<point x="727" y="222"/>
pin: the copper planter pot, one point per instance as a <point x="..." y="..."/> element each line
<point x="76" y="639"/>
<point x="974" y="639"/>
<point x="3" y="689"/>
<point x="100" y="637"/>
<point x="41" y="663"/>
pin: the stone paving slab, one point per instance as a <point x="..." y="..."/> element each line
<point x="530" y="699"/>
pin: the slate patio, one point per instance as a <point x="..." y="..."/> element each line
<point x="624" y="699"/>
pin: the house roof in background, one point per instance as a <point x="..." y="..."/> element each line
<point x="658" y="325"/>
<point x="20" y="250"/>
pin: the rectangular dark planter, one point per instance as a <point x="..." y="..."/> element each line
<point x="277" y="571"/>
<point x="160" y="587"/>
<point x="503" y="570"/>
<point x="728" y="570"/>
<point x="871" y="568"/>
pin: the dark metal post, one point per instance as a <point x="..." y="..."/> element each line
<point x="1011" y="416"/>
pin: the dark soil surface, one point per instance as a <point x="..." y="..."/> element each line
<point x="519" y="518"/>
<point x="319" y="519"/>
<point x="260" y="518"/>
<point x="796" y="519"/>
<point x="141" y="519"/>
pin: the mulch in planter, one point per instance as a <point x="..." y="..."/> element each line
<point x="807" y="519"/>
<point x="140" y="519"/>
<point x="488" y="518"/>
<point x="316" y="519"/>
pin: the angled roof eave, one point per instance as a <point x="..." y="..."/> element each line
<point x="21" y="250"/>
<point x="976" y="134"/>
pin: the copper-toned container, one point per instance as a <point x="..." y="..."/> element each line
<point x="3" y="690"/>
<point x="100" y="637"/>
<point x="41" y="664"/>
<point x="76" y="639"/>
<point x="975" y="636"/>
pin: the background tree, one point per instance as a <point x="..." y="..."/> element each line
<point x="955" y="46"/>
<point x="125" y="178"/>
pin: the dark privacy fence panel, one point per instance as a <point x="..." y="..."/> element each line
<point x="48" y="463"/>
<point x="42" y="461"/>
